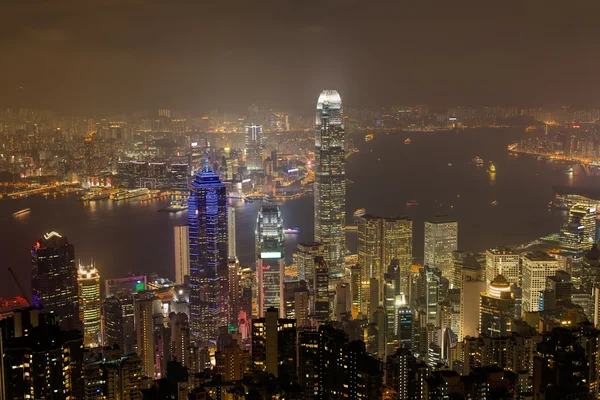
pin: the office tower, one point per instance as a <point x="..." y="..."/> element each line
<point x="296" y="302"/>
<point x="441" y="239"/>
<point x="235" y="291"/>
<point x="579" y="233"/>
<point x="330" y="361"/>
<point x="405" y="327"/>
<point x="231" y="250"/>
<point x="254" y="147"/>
<point x="119" y="325"/>
<point x="496" y="309"/>
<point x="304" y="258"/>
<point x="469" y="307"/>
<point x="561" y="285"/>
<point x="207" y="219"/>
<point x="179" y="177"/>
<point x="180" y="338"/>
<point x="46" y="363"/>
<point x="363" y="373"/>
<point x="232" y="362"/>
<point x="270" y="258"/>
<point x="146" y="349"/>
<point x="381" y="240"/>
<point x="110" y="375"/>
<point x="343" y="301"/>
<point x="467" y="267"/>
<point x="405" y="374"/>
<point x="308" y="363"/>
<point x="431" y="280"/>
<point x="88" y="284"/>
<point x="88" y="156"/>
<point x="502" y="261"/>
<point x="330" y="180"/>
<point x="537" y="266"/>
<point x="54" y="279"/>
<point x="321" y="290"/>
<point x="182" y="253"/>
<point x="356" y="290"/>
<point x="274" y="344"/>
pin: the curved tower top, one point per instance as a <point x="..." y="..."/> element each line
<point x="330" y="99"/>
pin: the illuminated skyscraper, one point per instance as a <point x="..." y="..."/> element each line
<point x="320" y="290"/>
<point x="182" y="253"/>
<point x="88" y="284"/>
<point x="231" y="227"/>
<point x="381" y="240"/>
<point x="330" y="180"/>
<point x="146" y="348"/>
<point x="502" y="261"/>
<point x="270" y="258"/>
<point x="304" y="258"/>
<point x="441" y="239"/>
<point x="496" y="309"/>
<point x="254" y="146"/>
<point x="207" y="218"/>
<point x="537" y="266"/>
<point x="579" y="233"/>
<point x="54" y="279"/>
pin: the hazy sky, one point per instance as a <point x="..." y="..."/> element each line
<point x="113" y="54"/>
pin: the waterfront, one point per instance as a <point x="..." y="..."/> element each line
<point x="132" y="236"/>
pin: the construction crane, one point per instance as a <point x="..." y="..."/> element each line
<point x="19" y="285"/>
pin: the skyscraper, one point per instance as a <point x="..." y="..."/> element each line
<point x="54" y="279"/>
<point x="579" y="233"/>
<point x="537" y="266"/>
<point x="496" y="309"/>
<point x="207" y="218"/>
<point x="330" y="180"/>
<point x="304" y="258"/>
<point x="231" y="249"/>
<point x="320" y="290"/>
<point x="502" y="261"/>
<point x="441" y="239"/>
<point x="182" y="253"/>
<point x="146" y="349"/>
<point x="270" y="258"/>
<point x="254" y="146"/>
<point x="381" y="240"/>
<point x="88" y="284"/>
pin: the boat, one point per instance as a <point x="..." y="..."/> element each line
<point x="360" y="212"/>
<point x="492" y="168"/>
<point x="21" y="212"/>
<point x="369" y="136"/>
<point x="449" y="164"/>
<point x="96" y="196"/>
<point x="129" y="194"/>
<point x="478" y="161"/>
<point x="407" y="141"/>
<point x="531" y="128"/>
<point x="412" y="203"/>
<point x="290" y="231"/>
<point x="495" y="203"/>
<point x="175" y="206"/>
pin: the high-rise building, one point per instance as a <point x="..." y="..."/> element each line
<point x="182" y="253"/>
<point x="179" y="177"/>
<point x="232" y="362"/>
<point x="144" y="314"/>
<point x="274" y="344"/>
<point x="441" y="239"/>
<point x="119" y="326"/>
<point x="502" y="261"/>
<point x="537" y="266"/>
<point x="111" y="375"/>
<point x="304" y="258"/>
<point x="579" y="233"/>
<point x="207" y="219"/>
<point x="270" y="258"/>
<point x="180" y="339"/>
<point x="330" y="180"/>
<point x="90" y="315"/>
<point x="381" y="240"/>
<point x="54" y="279"/>
<point x="231" y="249"/>
<point x="321" y="290"/>
<point x="496" y="309"/>
<point x="254" y="147"/>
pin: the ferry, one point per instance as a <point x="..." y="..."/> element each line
<point x="129" y="194"/>
<point x="360" y="212"/>
<point x="531" y="128"/>
<point x="369" y="136"/>
<point x="407" y="141"/>
<point x="21" y="212"/>
<point x="175" y="206"/>
<point x="412" y="203"/>
<point x="478" y="161"/>
<point x="95" y="196"/>
<point x="290" y="231"/>
<point x="492" y="168"/>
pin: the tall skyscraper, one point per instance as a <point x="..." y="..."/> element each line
<point x="330" y="180"/>
<point x="320" y="290"/>
<point x="231" y="249"/>
<point x="182" y="253"/>
<point x="146" y="349"/>
<point x="254" y="147"/>
<point x="273" y="343"/>
<point x="441" y="239"/>
<point x="579" y="233"/>
<point x="537" y="266"/>
<point x="88" y="284"/>
<point x="304" y="258"/>
<point x="207" y="218"/>
<point x="54" y="279"/>
<point x="496" y="309"/>
<point x="381" y="240"/>
<point x="270" y="258"/>
<point x="502" y="261"/>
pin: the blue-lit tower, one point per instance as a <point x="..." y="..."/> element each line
<point x="207" y="217"/>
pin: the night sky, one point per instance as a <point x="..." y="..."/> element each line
<point x="100" y="55"/>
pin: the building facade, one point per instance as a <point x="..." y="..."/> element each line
<point x="441" y="239"/>
<point x="90" y="306"/>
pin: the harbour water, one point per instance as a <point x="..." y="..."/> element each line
<point x="436" y="170"/>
